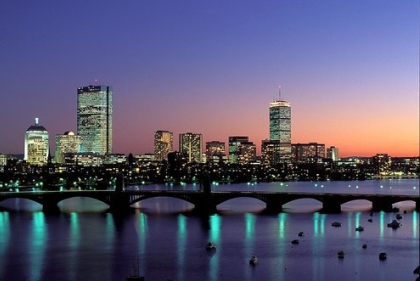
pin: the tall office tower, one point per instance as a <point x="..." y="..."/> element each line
<point x="66" y="143"/>
<point x="215" y="151"/>
<point x="36" y="145"/>
<point x="235" y="143"/>
<point x="163" y="144"/>
<point x="191" y="145"/>
<point x="280" y="128"/>
<point x="332" y="153"/>
<point x="308" y="152"/>
<point x="94" y="119"/>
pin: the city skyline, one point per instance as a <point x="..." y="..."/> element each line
<point x="350" y="73"/>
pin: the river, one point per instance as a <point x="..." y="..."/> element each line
<point x="163" y="240"/>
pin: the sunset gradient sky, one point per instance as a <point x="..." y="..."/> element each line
<point x="350" y="69"/>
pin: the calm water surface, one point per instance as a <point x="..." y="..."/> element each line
<point x="163" y="240"/>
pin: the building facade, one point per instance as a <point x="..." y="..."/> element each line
<point x="191" y="145"/>
<point x="308" y="152"/>
<point x="270" y="152"/>
<point x="332" y="153"/>
<point x="36" y="149"/>
<point x="94" y="119"/>
<point x="66" y="143"/>
<point x="215" y="151"/>
<point x="280" y="128"/>
<point x="163" y="144"/>
<point x="241" y="150"/>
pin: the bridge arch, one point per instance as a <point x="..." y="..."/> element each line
<point x="136" y="199"/>
<point x="29" y="198"/>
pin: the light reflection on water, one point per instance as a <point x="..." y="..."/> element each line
<point x="164" y="241"/>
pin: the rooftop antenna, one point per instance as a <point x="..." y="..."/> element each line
<point x="279" y="92"/>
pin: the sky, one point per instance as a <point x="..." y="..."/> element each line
<point x="349" y="68"/>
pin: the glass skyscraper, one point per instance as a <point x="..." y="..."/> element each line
<point x="280" y="128"/>
<point x="94" y="119"/>
<point x="36" y="145"/>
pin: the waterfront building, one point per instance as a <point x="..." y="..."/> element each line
<point x="115" y="159"/>
<point x="94" y="119"/>
<point x="85" y="159"/>
<point x="241" y="150"/>
<point x="308" y="152"/>
<point x="36" y="149"/>
<point x="163" y="144"/>
<point x="280" y="128"/>
<point x="332" y="153"/>
<point x="270" y="152"/>
<point x="382" y="164"/>
<point x="66" y="143"/>
<point x="215" y="151"/>
<point x="3" y="159"/>
<point x="191" y="145"/>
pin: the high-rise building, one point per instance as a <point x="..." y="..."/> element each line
<point x="332" y="153"/>
<point x="66" y="143"/>
<point x="308" y="152"/>
<point x="94" y="119"/>
<point x="163" y="144"/>
<point x="215" y="151"/>
<point x="280" y="128"/>
<point x="36" y="145"/>
<point x="191" y="145"/>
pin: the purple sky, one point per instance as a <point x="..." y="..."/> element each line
<point x="349" y="68"/>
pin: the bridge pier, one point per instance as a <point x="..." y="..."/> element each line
<point x="273" y="206"/>
<point x="331" y="205"/>
<point x="120" y="203"/>
<point x="50" y="207"/>
<point x="381" y="205"/>
<point x="205" y="205"/>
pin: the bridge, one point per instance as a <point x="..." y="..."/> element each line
<point x="207" y="201"/>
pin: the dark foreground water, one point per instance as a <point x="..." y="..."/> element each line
<point x="162" y="240"/>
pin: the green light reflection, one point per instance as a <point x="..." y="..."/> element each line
<point x="319" y="224"/>
<point x="282" y="223"/>
<point x="415" y="224"/>
<point x="182" y="238"/>
<point x="215" y="225"/>
<point x="39" y="236"/>
<point x="4" y="234"/>
<point x="74" y="242"/>
<point x="381" y="224"/>
<point x="142" y="232"/>
<point x="357" y="223"/>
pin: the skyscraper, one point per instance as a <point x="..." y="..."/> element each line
<point x="280" y="128"/>
<point x="191" y="145"/>
<point x="163" y="144"/>
<point x="65" y="143"/>
<point x="94" y="119"/>
<point x="36" y="145"/>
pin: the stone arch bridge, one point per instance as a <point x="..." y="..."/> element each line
<point x="207" y="202"/>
